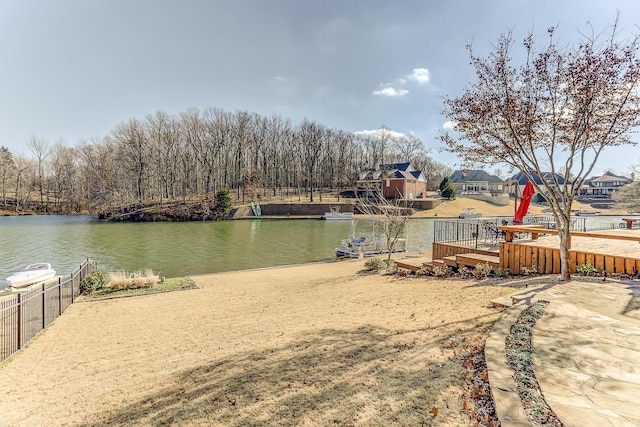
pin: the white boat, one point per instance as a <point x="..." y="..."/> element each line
<point x="468" y="213"/>
<point x="336" y="214"/>
<point x="586" y="213"/>
<point x="353" y="247"/>
<point x="32" y="274"/>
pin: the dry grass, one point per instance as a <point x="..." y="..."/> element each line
<point x="120" y="280"/>
<point x="311" y="345"/>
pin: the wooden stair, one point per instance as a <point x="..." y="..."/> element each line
<point x="467" y="260"/>
<point x="413" y="263"/>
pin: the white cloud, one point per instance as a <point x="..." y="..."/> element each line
<point x="279" y="78"/>
<point x="420" y="75"/>
<point x="389" y="91"/>
<point x="377" y="132"/>
<point x="448" y="125"/>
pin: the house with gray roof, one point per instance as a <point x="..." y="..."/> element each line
<point x="477" y="182"/>
<point x="603" y="186"/>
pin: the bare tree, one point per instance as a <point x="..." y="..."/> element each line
<point x="555" y="112"/>
<point x="390" y="215"/>
<point x="408" y="148"/>
<point x="24" y="180"/>
<point x="7" y="167"/>
<point x="629" y="197"/>
<point x="39" y="148"/>
<point x="311" y="137"/>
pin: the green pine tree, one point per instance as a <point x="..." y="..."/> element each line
<point x="223" y="203"/>
<point x="447" y="190"/>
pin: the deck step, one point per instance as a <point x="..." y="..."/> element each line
<point x="471" y="260"/>
<point x="438" y="263"/>
<point x="413" y="263"/>
<point x="451" y="261"/>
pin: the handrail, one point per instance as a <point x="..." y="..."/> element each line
<point x="536" y="230"/>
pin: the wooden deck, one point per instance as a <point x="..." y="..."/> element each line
<point x="611" y="251"/>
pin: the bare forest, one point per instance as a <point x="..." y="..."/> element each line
<point x="187" y="158"/>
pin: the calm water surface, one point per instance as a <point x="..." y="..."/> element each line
<point x="186" y="248"/>
<point x="176" y="249"/>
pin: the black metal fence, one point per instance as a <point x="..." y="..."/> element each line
<point x="25" y="314"/>
<point x="484" y="231"/>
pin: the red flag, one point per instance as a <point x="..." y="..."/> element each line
<point x="527" y="193"/>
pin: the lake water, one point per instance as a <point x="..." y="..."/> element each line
<point x="175" y="249"/>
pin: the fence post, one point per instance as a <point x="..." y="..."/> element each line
<point x="477" y="233"/>
<point x="19" y="321"/>
<point x="44" y="307"/>
<point x="59" y="297"/>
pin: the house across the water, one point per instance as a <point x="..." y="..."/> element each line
<point x="394" y="181"/>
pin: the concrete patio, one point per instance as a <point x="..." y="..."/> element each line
<point x="586" y="354"/>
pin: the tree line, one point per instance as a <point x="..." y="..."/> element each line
<point x="194" y="154"/>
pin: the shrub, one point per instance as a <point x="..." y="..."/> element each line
<point x="586" y="269"/>
<point x="403" y="272"/>
<point x="447" y="190"/>
<point x="465" y="272"/>
<point x="441" y="271"/>
<point x="374" y="265"/>
<point x="223" y="203"/>
<point x="426" y="270"/>
<point x="93" y="282"/>
<point x="502" y="272"/>
<point x="482" y="270"/>
<point x="119" y="280"/>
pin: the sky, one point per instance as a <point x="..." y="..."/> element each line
<point x="71" y="70"/>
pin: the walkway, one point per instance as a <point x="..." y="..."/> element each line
<point x="586" y="354"/>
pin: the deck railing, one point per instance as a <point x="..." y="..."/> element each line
<point x="25" y="314"/>
<point x="474" y="233"/>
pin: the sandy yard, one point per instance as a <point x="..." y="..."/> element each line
<point x="452" y="208"/>
<point x="311" y="345"/>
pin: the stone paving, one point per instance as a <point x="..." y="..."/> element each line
<point x="586" y="354"/>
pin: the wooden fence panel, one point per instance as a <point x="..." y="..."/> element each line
<point x="629" y="265"/>
<point x="609" y="262"/>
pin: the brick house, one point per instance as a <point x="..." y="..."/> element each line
<point x="395" y="181"/>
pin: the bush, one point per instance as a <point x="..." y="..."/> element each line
<point x="425" y="270"/>
<point x="374" y="265"/>
<point x="223" y="203"/>
<point x="465" y="272"/>
<point x="586" y="269"/>
<point x="482" y="270"/>
<point x="119" y="280"/>
<point x="441" y="271"/>
<point x="93" y="282"/>
<point x="447" y="191"/>
<point x="502" y="272"/>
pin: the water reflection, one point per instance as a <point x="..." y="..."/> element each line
<point x="182" y="248"/>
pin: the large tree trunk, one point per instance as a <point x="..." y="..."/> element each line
<point x="565" y="244"/>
